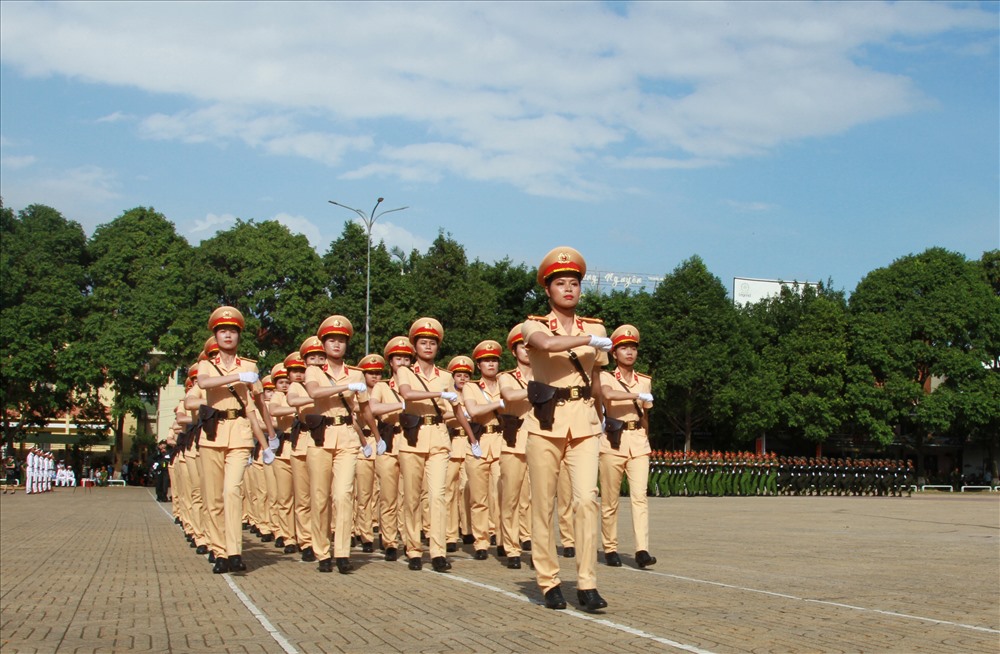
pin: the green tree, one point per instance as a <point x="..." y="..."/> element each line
<point x="43" y="283"/>
<point x="138" y="282"/>
<point x="692" y="346"/>
<point x="917" y="326"/>
<point x="274" y="277"/>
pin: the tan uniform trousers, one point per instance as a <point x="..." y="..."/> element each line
<point x="612" y="467"/>
<point x="175" y="501"/>
<point x="281" y="501"/>
<point x="197" y="507"/>
<point x="270" y="491"/>
<point x="453" y="492"/>
<point x="484" y="486"/>
<point x="222" y="473"/>
<point x="387" y="469"/>
<point x="513" y="474"/>
<point x="249" y="490"/>
<point x="182" y="498"/>
<point x="364" y="495"/>
<point x="262" y="504"/>
<point x="331" y="483"/>
<point x="301" y="502"/>
<point x="422" y="471"/>
<point x="545" y="456"/>
<point x="565" y="508"/>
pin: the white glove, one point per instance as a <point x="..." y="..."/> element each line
<point x="381" y="447"/>
<point x="477" y="451"/>
<point x="273" y="443"/>
<point x="249" y="377"/>
<point x="645" y="397"/>
<point x="357" y="387"/>
<point x="600" y="342"/>
<point x="450" y="396"/>
<point x="367" y="450"/>
<point x="268" y="456"/>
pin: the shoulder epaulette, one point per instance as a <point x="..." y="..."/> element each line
<point x="642" y="374"/>
<point x="597" y="321"/>
<point x="248" y="360"/>
<point x="509" y="372"/>
<point x="350" y="367"/>
<point x="538" y="318"/>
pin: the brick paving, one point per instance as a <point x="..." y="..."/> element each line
<point x="108" y="571"/>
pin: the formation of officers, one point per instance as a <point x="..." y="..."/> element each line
<point x="318" y="454"/>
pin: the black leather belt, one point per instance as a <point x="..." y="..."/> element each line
<point x="430" y="420"/>
<point x="455" y="432"/>
<point x="336" y="421"/>
<point x="492" y="429"/>
<point x="632" y="425"/>
<point x="231" y="414"/>
<point x="571" y="393"/>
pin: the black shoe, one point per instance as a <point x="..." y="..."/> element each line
<point x="367" y="548"/>
<point x="354" y="541"/>
<point x="468" y="539"/>
<point x="569" y="552"/>
<point x="423" y="538"/>
<point x="493" y="540"/>
<point x="501" y="551"/>
<point x="612" y="559"/>
<point x="590" y="600"/>
<point x="236" y="563"/>
<point x="415" y="563"/>
<point x="202" y="549"/>
<point x="191" y="543"/>
<point x="554" y="599"/>
<point x="266" y="538"/>
<point x="481" y="555"/>
<point x="391" y="554"/>
<point x="221" y="566"/>
<point x="308" y="555"/>
<point x="451" y="548"/>
<point x="188" y="537"/>
<point x="643" y="559"/>
<point x="254" y="530"/>
<point x="246" y="525"/>
<point x="326" y="565"/>
<point x="514" y="562"/>
<point x="279" y="542"/>
<point x="344" y="565"/>
<point x="526" y="546"/>
<point x="177" y="521"/>
<point x="289" y="549"/>
<point x="440" y="564"/>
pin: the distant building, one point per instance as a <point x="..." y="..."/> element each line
<point x="747" y="290"/>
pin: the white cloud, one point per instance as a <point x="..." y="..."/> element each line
<point x="213" y="222"/>
<point x="532" y="95"/>
<point x="88" y="194"/>
<point x="115" y="117"/>
<point x="17" y="162"/>
<point x="395" y="236"/>
<point x="301" y="225"/>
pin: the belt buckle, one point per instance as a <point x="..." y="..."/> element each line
<point x="428" y="420"/>
<point x="232" y="414"/>
<point x="574" y="393"/>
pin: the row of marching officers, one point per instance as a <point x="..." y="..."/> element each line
<point x="320" y="456"/>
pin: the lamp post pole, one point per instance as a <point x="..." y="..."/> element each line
<point x="369" y="221"/>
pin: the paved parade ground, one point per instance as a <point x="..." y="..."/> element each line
<point x="106" y="570"/>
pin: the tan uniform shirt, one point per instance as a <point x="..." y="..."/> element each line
<point x="296" y="389"/>
<point x="342" y="436"/>
<point x="386" y="392"/>
<point x="477" y="393"/>
<point x="439" y="380"/>
<point x="231" y="433"/>
<point x="635" y="442"/>
<point x="514" y="380"/>
<point x="576" y="418"/>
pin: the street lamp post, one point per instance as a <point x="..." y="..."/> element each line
<point x="369" y="221"/>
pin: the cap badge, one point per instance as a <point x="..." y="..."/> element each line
<point x="563" y="257"/>
<point x="227" y="314"/>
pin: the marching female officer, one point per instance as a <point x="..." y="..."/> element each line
<point x="515" y="494"/>
<point x="227" y="436"/>
<point x="338" y="392"/>
<point x="310" y="354"/>
<point x="483" y="403"/>
<point x="625" y="446"/>
<point x="566" y="353"/>
<point x="430" y="397"/>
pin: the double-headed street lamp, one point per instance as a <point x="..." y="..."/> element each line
<point x="369" y="220"/>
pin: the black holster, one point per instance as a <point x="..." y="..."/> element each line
<point x="613" y="427"/>
<point x="543" y="401"/>
<point x="411" y="427"/>
<point x="387" y="432"/>
<point x="477" y="429"/>
<point x="209" y="419"/>
<point x="509" y="424"/>
<point x="282" y="439"/>
<point x="293" y="433"/>
<point x="316" y="426"/>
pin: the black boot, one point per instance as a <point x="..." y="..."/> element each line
<point x="643" y="559"/>
<point x="236" y="563"/>
<point x="554" y="599"/>
<point x="613" y="560"/>
<point x="590" y="600"/>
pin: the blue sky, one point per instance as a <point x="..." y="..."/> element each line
<point x="788" y="140"/>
